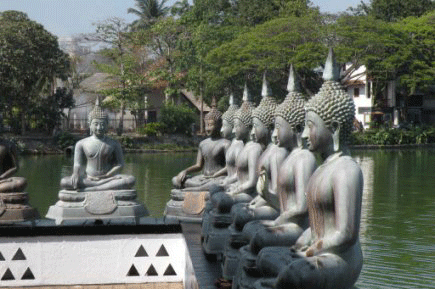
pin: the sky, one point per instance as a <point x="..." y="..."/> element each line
<point x="65" y="18"/>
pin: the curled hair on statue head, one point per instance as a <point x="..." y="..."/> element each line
<point x="97" y="113"/>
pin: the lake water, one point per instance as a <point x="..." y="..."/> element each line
<point x="397" y="225"/>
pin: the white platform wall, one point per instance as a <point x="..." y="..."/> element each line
<point x="107" y="259"/>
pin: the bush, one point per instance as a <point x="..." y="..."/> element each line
<point x="64" y="140"/>
<point x="393" y="136"/>
<point x="177" y="119"/>
<point x="151" y="129"/>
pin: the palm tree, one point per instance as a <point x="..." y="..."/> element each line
<point x="149" y="11"/>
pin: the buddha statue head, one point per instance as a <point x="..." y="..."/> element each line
<point x="243" y="117"/>
<point x="228" y="119"/>
<point x="213" y="120"/>
<point x="264" y="115"/>
<point x="330" y="113"/>
<point x="290" y="115"/>
<point x="98" y="120"/>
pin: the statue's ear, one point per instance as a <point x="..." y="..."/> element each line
<point x="298" y="129"/>
<point x="335" y="127"/>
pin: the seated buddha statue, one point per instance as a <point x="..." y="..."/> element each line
<point x="217" y="215"/>
<point x="328" y="254"/>
<point x="97" y="160"/>
<point x="96" y="189"/>
<point x="248" y="163"/>
<point x="293" y="175"/>
<point x="229" y="172"/>
<point x="14" y="205"/>
<point x="211" y="154"/>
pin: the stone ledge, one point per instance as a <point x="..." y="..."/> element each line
<point x="178" y="285"/>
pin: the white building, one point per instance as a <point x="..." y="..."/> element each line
<point x="360" y="87"/>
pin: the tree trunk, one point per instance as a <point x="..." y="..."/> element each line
<point x="120" y="129"/>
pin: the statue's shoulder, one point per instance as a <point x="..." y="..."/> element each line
<point x="347" y="166"/>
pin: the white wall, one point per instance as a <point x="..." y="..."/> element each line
<point x="109" y="259"/>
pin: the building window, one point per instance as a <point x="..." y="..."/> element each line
<point x="356" y="92"/>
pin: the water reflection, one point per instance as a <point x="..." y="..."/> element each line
<point x="397" y="234"/>
<point x="397" y="219"/>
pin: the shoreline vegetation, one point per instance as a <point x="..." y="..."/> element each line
<point x="63" y="143"/>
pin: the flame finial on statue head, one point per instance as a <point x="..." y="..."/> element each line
<point x="244" y="113"/>
<point x="332" y="70"/>
<point x="97" y="112"/>
<point x="293" y="82"/>
<point x="292" y="109"/>
<point x="265" y="91"/>
<point x="229" y="114"/>
<point x="265" y="111"/>
<point x="214" y="113"/>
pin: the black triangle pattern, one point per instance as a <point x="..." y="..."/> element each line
<point x="162" y="252"/>
<point x="1" y="257"/>
<point x="28" y="275"/>
<point x="141" y="252"/>
<point x="8" y="276"/>
<point x="133" y="271"/>
<point x="151" y="271"/>
<point x="19" y="255"/>
<point x="170" y="271"/>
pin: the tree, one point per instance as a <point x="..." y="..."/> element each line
<point x="394" y="10"/>
<point x="272" y="46"/>
<point x="114" y="32"/>
<point x="149" y="11"/>
<point x="180" y="7"/>
<point x="30" y="61"/>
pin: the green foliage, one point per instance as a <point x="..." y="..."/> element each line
<point x="65" y="139"/>
<point x="30" y="60"/>
<point x="177" y="118"/>
<point x="272" y="46"/>
<point x="395" y="10"/>
<point x="151" y="129"/>
<point x="385" y="136"/>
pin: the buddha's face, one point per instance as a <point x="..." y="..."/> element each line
<point x="316" y="132"/>
<point x="240" y="130"/>
<point x="210" y="127"/>
<point x="98" y="126"/>
<point x="260" y="132"/>
<point x="283" y="133"/>
<point x="227" y="129"/>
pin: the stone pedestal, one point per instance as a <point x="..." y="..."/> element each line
<point x="98" y="205"/>
<point x="189" y="208"/>
<point x="14" y="208"/>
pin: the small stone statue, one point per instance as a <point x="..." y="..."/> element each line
<point x="95" y="189"/>
<point x="248" y="162"/>
<point x="14" y="205"/>
<point x="229" y="171"/>
<point x="219" y="206"/>
<point x="293" y="176"/>
<point x="328" y="254"/>
<point x="211" y="153"/>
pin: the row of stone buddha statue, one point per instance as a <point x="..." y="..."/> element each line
<point x="96" y="190"/>
<point x="277" y="217"/>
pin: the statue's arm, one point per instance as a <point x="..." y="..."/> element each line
<point x="14" y="166"/>
<point x="303" y="170"/>
<point x="252" y="172"/>
<point x="347" y="188"/>
<point x="195" y="168"/>
<point x="274" y="169"/>
<point x="221" y="172"/>
<point x="119" y="162"/>
<point x="79" y="163"/>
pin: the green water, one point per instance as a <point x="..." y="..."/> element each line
<point x="397" y="225"/>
